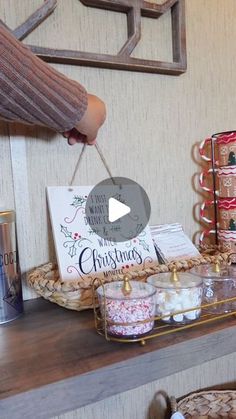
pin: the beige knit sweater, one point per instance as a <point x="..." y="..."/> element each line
<point x="32" y="92"/>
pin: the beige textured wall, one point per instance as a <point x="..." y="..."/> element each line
<point x="140" y="402"/>
<point x="153" y="120"/>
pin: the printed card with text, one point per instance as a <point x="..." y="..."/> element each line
<point x="172" y="243"/>
<point x="81" y="253"/>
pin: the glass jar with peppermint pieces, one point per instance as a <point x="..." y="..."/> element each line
<point x="127" y="307"/>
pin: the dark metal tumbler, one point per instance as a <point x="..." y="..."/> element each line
<point x="11" y="304"/>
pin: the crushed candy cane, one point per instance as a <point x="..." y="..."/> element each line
<point x="124" y="313"/>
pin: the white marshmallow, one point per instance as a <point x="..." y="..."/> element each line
<point x="174" y="300"/>
<point x="166" y="318"/>
<point x="192" y="315"/>
<point x="178" y="317"/>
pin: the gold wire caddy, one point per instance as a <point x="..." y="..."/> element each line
<point x="159" y="329"/>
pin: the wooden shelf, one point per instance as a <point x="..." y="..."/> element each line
<point x="51" y="351"/>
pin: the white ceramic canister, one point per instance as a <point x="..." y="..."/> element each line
<point x="127" y="305"/>
<point x="179" y="296"/>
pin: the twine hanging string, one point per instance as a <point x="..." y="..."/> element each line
<point x="77" y="165"/>
<point x="100" y="153"/>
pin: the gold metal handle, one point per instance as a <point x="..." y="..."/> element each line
<point x="174" y="276"/>
<point x="126" y="289"/>
<point x="217" y="267"/>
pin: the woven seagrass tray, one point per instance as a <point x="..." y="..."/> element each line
<point x="215" y="404"/>
<point x="77" y="295"/>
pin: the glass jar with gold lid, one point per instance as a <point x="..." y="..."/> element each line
<point x="128" y="307"/>
<point x="219" y="285"/>
<point x="179" y="296"/>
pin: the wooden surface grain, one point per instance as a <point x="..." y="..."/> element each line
<point x="50" y="351"/>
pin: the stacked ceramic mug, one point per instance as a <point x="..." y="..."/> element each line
<point x="222" y="160"/>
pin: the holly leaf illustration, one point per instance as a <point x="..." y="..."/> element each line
<point x="144" y="245"/>
<point x="72" y="251"/>
<point x="65" y="231"/>
<point x="78" y="201"/>
<point x="139" y="228"/>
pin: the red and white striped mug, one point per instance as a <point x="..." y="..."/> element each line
<point x="204" y="209"/>
<point x="204" y="182"/>
<point x="226" y="180"/>
<point x="226" y="213"/>
<point x="225" y="148"/>
<point x="227" y="239"/>
<point x="205" y="234"/>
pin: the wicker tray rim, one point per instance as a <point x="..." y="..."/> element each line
<point x="77" y="294"/>
<point x="203" y="404"/>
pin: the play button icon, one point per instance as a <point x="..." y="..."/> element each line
<point x="117" y="210"/>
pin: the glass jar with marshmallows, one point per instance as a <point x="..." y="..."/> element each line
<point x="178" y="297"/>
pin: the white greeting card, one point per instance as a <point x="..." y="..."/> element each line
<point x="81" y="253"/>
<point x="172" y="243"/>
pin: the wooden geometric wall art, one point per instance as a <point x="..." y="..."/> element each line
<point x="35" y="19"/>
<point x="134" y="10"/>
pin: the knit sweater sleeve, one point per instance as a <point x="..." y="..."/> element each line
<point x="32" y="92"/>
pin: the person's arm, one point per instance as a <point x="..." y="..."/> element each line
<point x="32" y="92"/>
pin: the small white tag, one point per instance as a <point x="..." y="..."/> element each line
<point x="172" y="243"/>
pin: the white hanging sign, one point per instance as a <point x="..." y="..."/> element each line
<point x="81" y="253"/>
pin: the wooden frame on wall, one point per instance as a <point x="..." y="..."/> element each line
<point x="134" y="10"/>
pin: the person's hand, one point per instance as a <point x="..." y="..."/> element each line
<point x="74" y="136"/>
<point x="87" y="128"/>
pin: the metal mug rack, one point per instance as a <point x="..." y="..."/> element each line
<point x="213" y="165"/>
<point x="214" y="180"/>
